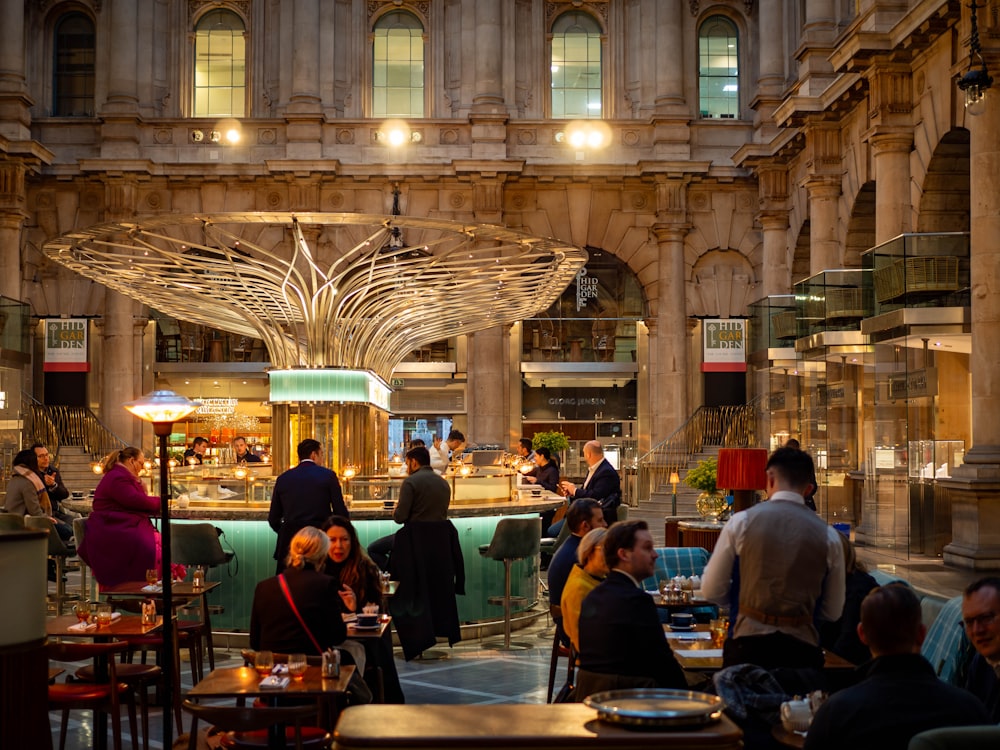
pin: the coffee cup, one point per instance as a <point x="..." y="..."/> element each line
<point x="682" y="620"/>
<point x="367" y="620"/>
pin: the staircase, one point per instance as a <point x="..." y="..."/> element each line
<point x="74" y="465"/>
<point x="660" y="501"/>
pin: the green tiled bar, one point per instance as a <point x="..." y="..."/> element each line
<point x="253" y="542"/>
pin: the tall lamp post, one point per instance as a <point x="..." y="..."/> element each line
<point x="163" y="408"/>
<point x="674" y="480"/>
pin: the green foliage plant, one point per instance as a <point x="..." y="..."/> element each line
<point x="555" y="441"/>
<point x="702" y="477"/>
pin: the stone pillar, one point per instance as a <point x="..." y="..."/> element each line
<point x="975" y="486"/>
<point x="305" y="56"/>
<point x="668" y="345"/>
<point x="824" y="244"/>
<point x="772" y="182"/>
<point x="10" y="255"/>
<point x="891" y="164"/>
<point x="123" y="58"/>
<point x="770" y="23"/>
<point x="488" y="57"/>
<point x="15" y="115"/>
<point x="488" y="386"/>
<point x="669" y="70"/>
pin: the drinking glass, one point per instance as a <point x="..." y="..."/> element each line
<point x="297" y="665"/>
<point x="263" y="662"/>
<point x="82" y="611"/>
<point x="152" y="576"/>
<point x="719" y="628"/>
<point x="103" y="615"/>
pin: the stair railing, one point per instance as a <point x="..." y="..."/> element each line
<point x="59" y="425"/>
<point x="723" y="426"/>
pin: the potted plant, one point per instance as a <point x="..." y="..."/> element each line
<point x="710" y="503"/>
<point x="554" y="440"/>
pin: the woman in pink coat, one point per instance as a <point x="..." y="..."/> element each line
<point x="120" y="543"/>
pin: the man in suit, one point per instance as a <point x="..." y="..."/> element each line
<point x="304" y="496"/>
<point x="981" y="617"/>
<point x="621" y="638"/>
<point x="602" y="482"/>
<point x="423" y="496"/>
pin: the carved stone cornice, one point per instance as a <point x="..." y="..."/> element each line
<point x="889" y="93"/>
<point x="695" y="6"/>
<point x="597" y="7"/>
<point x="195" y="7"/>
<point x="420" y="7"/>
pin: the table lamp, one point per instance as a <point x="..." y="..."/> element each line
<point x="742" y="470"/>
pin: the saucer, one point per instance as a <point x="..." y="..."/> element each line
<point x="376" y="626"/>
<point x="681" y="628"/>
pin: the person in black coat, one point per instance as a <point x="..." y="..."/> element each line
<point x="900" y="695"/>
<point x="546" y="472"/>
<point x="981" y="618"/>
<point x="602" y="482"/>
<point x="304" y="496"/>
<point x="621" y="638"/>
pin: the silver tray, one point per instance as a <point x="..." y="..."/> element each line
<point x="656" y="707"/>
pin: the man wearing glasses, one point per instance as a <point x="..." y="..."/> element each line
<point x="981" y="617"/>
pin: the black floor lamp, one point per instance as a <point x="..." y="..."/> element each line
<point x="163" y="408"/>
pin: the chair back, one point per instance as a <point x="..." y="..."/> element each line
<point x="79" y="529"/>
<point x="197" y="544"/>
<point x="621" y="512"/>
<point x="676" y="561"/>
<point x="57" y="548"/>
<point x="249" y="718"/>
<point x="11" y="522"/>
<point x="515" y="539"/>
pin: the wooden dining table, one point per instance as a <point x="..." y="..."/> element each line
<point x="244" y="682"/>
<point x="120" y="628"/>
<point x="525" y="726"/>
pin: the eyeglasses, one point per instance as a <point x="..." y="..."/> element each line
<point x="986" y="619"/>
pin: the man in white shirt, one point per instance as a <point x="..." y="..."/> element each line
<point x="777" y="565"/>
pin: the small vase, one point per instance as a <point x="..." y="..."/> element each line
<point x="710" y="505"/>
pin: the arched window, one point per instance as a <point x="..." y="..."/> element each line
<point x="220" y="65"/>
<point x="576" y="66"/>
<point x="73" y="79"/>
<point x="398" y="66"/>
<point x="719" y="68"/>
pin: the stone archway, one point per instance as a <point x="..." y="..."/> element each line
<point x="944" y="201"/>
<point x="860" y="226"/>
<point x="722" y="285"/>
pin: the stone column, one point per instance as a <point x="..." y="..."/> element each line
<point x="488" y="386"/>
<point x="668" y="336"/>
<point x="891" y="164"/>
<point x="669" y="70"/>
<point x="488" y="56"/>
<point x="305" y="56"/>
<point x="15" y="115"/>
<point x="824" y="244"/>
<point x="772" y="182"/>
<point x="12" y="198"/>
<point x="975" y="486"/>
<point x="770" y="23"/>
<point x="123" y="57"/>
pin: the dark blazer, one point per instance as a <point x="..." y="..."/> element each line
<point x="983" y="682"/>
<point x="427" y="561"/>
<point x="303" y="496"/>
<point x="606" y="488"/>
<point x="423" y="496"/>
<point x="621" y="634"/>
<point x="274" y="626"/>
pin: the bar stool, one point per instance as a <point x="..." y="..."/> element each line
<point x="514" y="539"/>
<point x="58" y="551"/>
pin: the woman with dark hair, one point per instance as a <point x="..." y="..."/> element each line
<point x="360" y="584"/>
<point x="121" y="543"/>
<point x="545" y="473"/>
<point x="26" y="495"/>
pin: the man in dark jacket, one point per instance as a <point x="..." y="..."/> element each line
<point x="602" y="482"/>
<point x="304" y="496"/>
<point x="981" y="616"/>
<point x="621" y="638"/>
<point x="900" y="695"/>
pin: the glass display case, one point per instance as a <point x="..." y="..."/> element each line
<point x="920" y="270"/>
<point x="208" y="486"/>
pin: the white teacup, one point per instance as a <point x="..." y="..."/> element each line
<point x="796" y="715"/>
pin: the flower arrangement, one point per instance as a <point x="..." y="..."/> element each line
<point x="702" y="477"/>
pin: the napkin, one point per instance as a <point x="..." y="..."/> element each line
<point x="152" y="588"/>
<point x="115" y="616"/>
<point x="274" y="682"/>
<point x="696" y="635"/>
<point x="700" y="653"/>
<point x="81" y="627"/>
<point x="348" y="616"/>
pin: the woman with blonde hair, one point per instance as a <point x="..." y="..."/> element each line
<point x="590" y="570"/>
<point x="121" y="543"/>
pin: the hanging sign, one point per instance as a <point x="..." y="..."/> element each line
<point x="725" y="347"/>
<point x="66" y="345"/>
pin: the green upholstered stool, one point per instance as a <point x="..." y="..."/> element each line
<point x="514" y="539"/>
<point x="11" y="522"/>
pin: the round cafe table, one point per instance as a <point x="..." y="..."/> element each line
<point x="786" y="738"/>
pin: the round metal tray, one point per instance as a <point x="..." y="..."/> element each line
<point x="654" y="708"/>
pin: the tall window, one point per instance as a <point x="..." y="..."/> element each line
<point x="73" y="80"/>
<point x="398" y="66"/>
<point x="719" y="68"/>
<point x="576" y="66"/>
<point x="220" y="65"/>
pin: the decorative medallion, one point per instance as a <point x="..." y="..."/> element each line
<point x="267" y="136"/>
<point x="630" y="137"/>
<point x="449" y="137"/>
<point x="456" y="200"/>
<point x="345" y="135"/>
<point x="526" y="137"/>
<point x="153" y="200"/>
<point x="163" y="136"/>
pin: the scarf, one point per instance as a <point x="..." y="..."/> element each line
<point x="43" y="495"/>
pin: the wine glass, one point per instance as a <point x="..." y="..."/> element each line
<point x="263" y="662"/>
<point x="82" y="611"/>
<point x="152" y="576"/>
<point x="297" y="665"/>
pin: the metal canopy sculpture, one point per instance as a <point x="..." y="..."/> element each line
<point x="326" y="289"/>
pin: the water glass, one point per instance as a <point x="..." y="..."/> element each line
<point x="297" y="665"/>
<point x="103" y="615"/>
<point x="263" y="662"/>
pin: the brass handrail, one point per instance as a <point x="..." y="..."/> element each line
<point x="723" y="426"/>
<point x="58" y="425"/>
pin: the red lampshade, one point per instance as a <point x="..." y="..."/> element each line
<point x="742" y="469"/>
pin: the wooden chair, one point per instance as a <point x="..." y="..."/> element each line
<point x="103" y="696"/>
<point x="246" y="727"/>
<point x="138" y="677"/>
<point x="558" y="649"/>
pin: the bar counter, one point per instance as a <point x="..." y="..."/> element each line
<point x="246" y="532"/>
